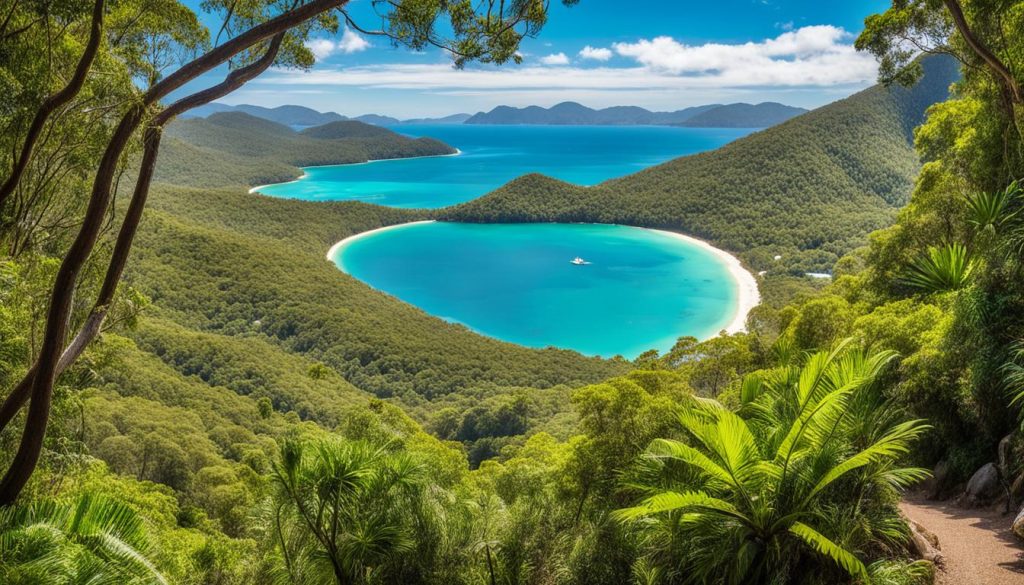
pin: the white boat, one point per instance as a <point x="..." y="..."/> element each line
<point x="579" y="261"/>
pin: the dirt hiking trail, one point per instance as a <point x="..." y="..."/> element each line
<point x="978" y="545"/>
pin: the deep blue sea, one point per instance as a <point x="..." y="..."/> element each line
<point x="640" y="290"/>
<point x="493" y="155"/>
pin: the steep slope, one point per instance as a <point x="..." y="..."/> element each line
<point x="809" y="189"/>
<point x="762" y="115"/>
<point x="236" y="265"/>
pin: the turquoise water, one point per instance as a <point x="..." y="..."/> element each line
<point x="642" y="289"/>
<point x="493" y="155"/>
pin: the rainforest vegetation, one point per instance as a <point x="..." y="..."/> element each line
<point x="233" y="409"/>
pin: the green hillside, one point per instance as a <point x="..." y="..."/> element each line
<point x="232" y="148"/>
<point x="761" y="115"/>
<point x="809" y="190"/>
<point x="250" y="415"/>
<point x="233" y="263"/>
<point x="346" y="129"/>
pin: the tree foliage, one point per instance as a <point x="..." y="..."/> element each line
<point x="747" y="492"/>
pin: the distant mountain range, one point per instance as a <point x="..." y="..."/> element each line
<point x="572" y="113"/>
<point x="565" y="114"/>
<point x="708" y="116"/>
<point x="301" y="116"/>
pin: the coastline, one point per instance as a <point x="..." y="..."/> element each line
<point x="305" y="175"/>
<point x="747" y="294"/>
<point x="341" y="244"/>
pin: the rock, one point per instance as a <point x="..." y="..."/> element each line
<point x="983" y="487"/>
<point x="936" y="486"/>
<point x="1018" y="524"/>
<point x="925" y="544"/>
<point x="1017" y="489"/>
<point x="1004" y="454"/>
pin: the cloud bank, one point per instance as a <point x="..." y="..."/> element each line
<point x="812" y="55"/>
<point x="806" y="66"/>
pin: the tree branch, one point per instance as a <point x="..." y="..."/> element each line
<point x="59" y="311"/>
<point x="55" y="101"/>
<point x="1001" y="71"/>
<point x="129" y="227"/>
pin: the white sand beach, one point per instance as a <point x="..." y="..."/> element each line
<point x="334" y="249"/>
<point x="747" y="294"/>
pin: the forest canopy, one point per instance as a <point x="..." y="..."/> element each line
<point x="243" y="412"/>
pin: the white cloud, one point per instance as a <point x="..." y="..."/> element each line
<point x="321" y="48"/>
<point x="816" y="60"/>
<point x="812" y="55"/>
<point x="439" y="77"/>
<point x="350" y="42"/>
<point x="555" y="59"/>
<point x="596" y="53"/>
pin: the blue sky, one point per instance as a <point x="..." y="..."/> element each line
<point x="659" y="54"/>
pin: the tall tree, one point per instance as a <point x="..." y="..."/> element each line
<point x="58" y="315"/>
<point x="980" y="33"/>
<point x="489" y="33"/>
<point x="55" y="101"/>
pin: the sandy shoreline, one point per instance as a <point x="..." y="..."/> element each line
<point x="372" y="160"/>
<point x="747" y="294"/>
<point x="334" y="249"/>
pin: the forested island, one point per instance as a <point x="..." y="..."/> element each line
<point x="234" y="148"/>
<point x="192" y="394"/>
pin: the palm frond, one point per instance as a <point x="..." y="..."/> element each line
<point x="989" y="211"/>
<point x="1013" y="372"/>
<point x="896" y="443"/>
<point x="941" y="269"/>
<point x="676" y="501"/>
<point x="663" y="448"/>
<point x="92" y="539"/>
<point x="751" y="389"/>
<point x="842" y="557"/>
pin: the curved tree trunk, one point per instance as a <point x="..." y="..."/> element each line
<point x="29" y="449"/>
<point x="1002" y="73"/>
<point x="129" y="227"/>
<point x="1010" y="86"/>
<point x="55" y="101"/>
